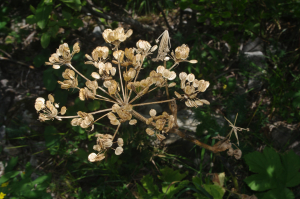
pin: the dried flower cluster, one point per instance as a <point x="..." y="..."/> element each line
<point x="116" y="83"/>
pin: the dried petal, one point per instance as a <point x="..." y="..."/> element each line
<point x="63" y="110"/>
<point x="182" y="76"/>
<point x="149" y="131"/>
<point x="119" y="150"/>
<point x="190" y="77"/>
<point x="133" y="122"/>
<point x="152" y="112"/>
<point x="120" y="142"/>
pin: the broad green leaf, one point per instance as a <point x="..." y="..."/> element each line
<point x="66" y="14"/>
<point x="11" y="164"/>
<point x="31" y="19"/>
<point x="42" y="14"/>
<point x="291" y="164"/>
<point x="226" y="14"/>
<point x="215" y="191"/>
<point x="170" y="175"/>
<point x="45" y="39"/>
<point x="41" y="179"/>
<point x="8" y="175"/>
<point x="74" y="4"/>
<point x="279" y="194"/>
<point x="32" y="9"/>
<point x="147" y="182"/>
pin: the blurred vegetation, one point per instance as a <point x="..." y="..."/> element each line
<point x="215" y="32"/>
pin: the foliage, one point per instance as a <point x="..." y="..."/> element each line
<point x="274" y="173"/>
<point x="18" y="184"/>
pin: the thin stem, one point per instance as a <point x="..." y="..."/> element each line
<point x="173" y="66"/>
<point x="121" y="80"/>
<point x="67" y="117"/>
<point x="148" y="103"/>
<point x="105" y="99"/>
<point x="100" y="111"/>
<point x="116" y="131"/>
<point x="101" y="117"/>
<point x="141" y="93"/>
<point x="70" y="65"/>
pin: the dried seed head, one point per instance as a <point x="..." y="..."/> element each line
<point x="160" y="69"/>
<point x="93" y="157"/>
<point x="203" y="85"/>
<point x="172" y="84"/>
<point x="143" y="46"/>
<point x="107" y="143"/>
<point x="177" y="95"/>
<point x="190" y="77"/>
<point x="39" y="103"/>
<point x="205" y="101"/>
<point x="51" y="98"/>
<point x="115" y="122"/>
<point x="160" y="137"/>
<point x="230" y="152"/>
<point x="237" y="153"/>
<point x="68" y="74"/>
<point x="115" y="108"/>
<point x="152" y="112"/>
<point x="76" y="48"/>
<point x="159" y="124"/>
<point x="76" y="121"/>
<point x="120" y="142"/>
<point x="63" y="110"/>
<point x="150" y="131"/>
<point x="95" y="75"/>
<point x="133" y="122"/>
<point x="119" y="150"/>
<point x="182" y="76"/>
<point x="189" y="90"/>
<point x="119" y="55"/>
<point x="193" y="61"/>
<point x="182" y="52"/>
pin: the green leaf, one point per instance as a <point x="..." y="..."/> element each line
<point x="31" y="19"/>
<point x="76" y="23"/>
<point x="279" y="194"/>
<point x="93" y="106"/>
<point x="226" y="14"/>
<point x="66" y="14"/>
<point x="291" y="163"/>
<point x="74" y="4"/>
<point x="45" y="39"/>
<point x="147" y="182"/>
<point x="42" y="14"/>
<point x="32" y="9"/>
<point x="49" y="79"/>
<point x="41" y="179"/>
<point x="8" y="175"/>
<point x="214" y="190"/>
<point x="11" y="164"/>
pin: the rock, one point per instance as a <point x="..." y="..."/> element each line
<point x="186" y="120"/>
<point x="11" y="150"/>
<point x="2" y="135"/>
<point x="253" y="45"/>
<point x="144" y="110"/>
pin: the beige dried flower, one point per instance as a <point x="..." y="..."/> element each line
<point x="149" y="131"/>
<point x="93" y="157"/>
<point x="230" y="152"/>
<point x="119" y="150"/>
<point x="120" y="142"/>
<point x="62" y="55"/>
<point x="133" y="122"/>
<point x="47" y="110"/>
<point x="116" y="36"/>
<point x="143" y="47"/>
<point x="182" y="52"/>
<point x="63" y="110"/>
<point x="152" y="112"/>
<point x="237" y="153"/>
<point x="160" y="137"/>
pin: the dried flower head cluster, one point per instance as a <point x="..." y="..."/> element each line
<point x="161" y="124"/>
<point x="115" y="82"/>
<point x="191" y="88"/>
<point x="48" y="109"/>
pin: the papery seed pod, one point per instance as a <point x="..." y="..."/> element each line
<point x="182" y="76"/>
<point x="196" y="83"/>
<point x="193" y="96"/>
<point x="189" y="90"/>
<point x="119" y="55"/>
<point x="237" y="153"/>
<point x="177" y="95"/>
<point x="160" y="137"/>
<point x="39" y="103"/>
<point x="143" y="45"/>
<point x="193" y="61"/>
<point x="115" y="108"/>
<point x="205" y="102"/>
<point x="113" y="71"/>
<point x="76" y="48"/>
<point x="172" y="75"/>
<point x="105" y="35"/>
<point x="160" y="69"/>
<point x="182" y="52"/>
<point x="166" y="58"/>
<point x="153" y="48"/>
<point x="152" y="112"/>
<point x="230" y="152"/>
<point x="166" y="73"/>
<point x="115" y="122"/>
<point x="56" y="105"/>
<point x="107" y="84"/>
<point x="111" y="116"/>
<point x="88" y="57"/>
<point x="203" y="85"/>
<point x="93" y="157"/>
<point x="159" y="124"/>
<point x="107" y="136"/>
<point x="199" y="102"/>
<point x="119" y="150"/>
<point x="149" y="131"/>
<point x="120" y="142"/>
<point x="172" y="84"/>
<point x="51" y="98"/>
<point x="149" y="120"/>
<point x="56" y="66"/>
<point x="108" y="67"/>
<point x="63" y="110"/>
<point x="133" y="122"/>
<point x="128" y="33"/>
<point x="107" y="143"/>
<point x="189" y="103"/>
<point x="82" y="94"/>
<point x="95" y="75"/>
<point x="97" y="148"/>
<point x="190" y="77"/>
<point x="76" y="121"/>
